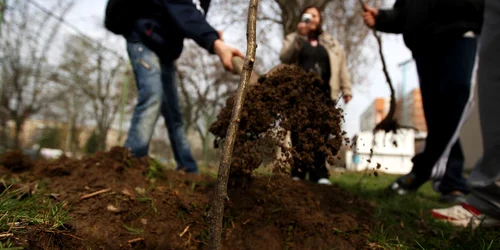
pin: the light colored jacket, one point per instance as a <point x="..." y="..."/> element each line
<point x="340" y="79"/>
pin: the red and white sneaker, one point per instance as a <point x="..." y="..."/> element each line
<point x="464" y="215"/>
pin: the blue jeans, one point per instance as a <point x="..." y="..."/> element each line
<point x="158" y="94"/>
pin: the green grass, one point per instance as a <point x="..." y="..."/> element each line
<point x="404" y="222"/>
<point x="156" y="169"/>
<point x="133" y="230"/>
<point x="19" y="209"/>
<point x="8" y="245"/>
<point x="37" y="209"/>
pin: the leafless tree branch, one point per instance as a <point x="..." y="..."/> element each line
<point x="217" y="209"/>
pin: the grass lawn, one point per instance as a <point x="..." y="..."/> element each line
<point x="19" y="210"/>
<point x="405" y="222"/>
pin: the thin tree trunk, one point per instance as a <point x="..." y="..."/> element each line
<point x="220" y="195"/>
<point x="3" y="134"/>
<point x="102" y="137"/>
<point x="71" y="123"/>
<point x="205" y="141"/>
<point x="17" y="133"/>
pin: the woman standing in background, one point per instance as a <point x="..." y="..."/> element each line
<point x="314" y="50"/>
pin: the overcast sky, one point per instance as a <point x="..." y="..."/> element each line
<point x="87" y="15"/>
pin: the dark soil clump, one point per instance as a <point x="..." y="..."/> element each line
<point x="302" y="102"/>
<point x="15" y="161"/>
<point x="170" y="211"/>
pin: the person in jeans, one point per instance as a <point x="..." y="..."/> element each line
<point x="482" y="207"/>
<point x="442" y="38"/>
<point x="314" y="50"/>
<point x="153" y="45"/>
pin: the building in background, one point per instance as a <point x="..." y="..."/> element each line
<point x="377" y="110"/>
<point x="383" y="152"/>
<point x="412" y="114"/>
<point x="393" y="151"/>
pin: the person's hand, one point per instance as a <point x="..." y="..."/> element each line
<point x="226" y="54"/>
<point x="303" y="28"/>
<point x="369" y="15"/>
<point x="221" y="37"/>
<point x="347" y="98"/>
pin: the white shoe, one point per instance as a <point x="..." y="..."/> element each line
<point x="296" y="178"/>
<point x="464" y="215"/>
<point x="324" y="181"/>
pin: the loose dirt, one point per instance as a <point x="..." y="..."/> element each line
<point x="302" y="103"/>
<point x="170" y="211"/>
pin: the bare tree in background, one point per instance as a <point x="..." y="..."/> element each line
<point x="345" y="24"/>
<point x="204" y="87"/>
<point x="99" y="75"/>
<point x="71" y="109"/>
<point x="341" y="18"/>
<point x="26" y="66"/>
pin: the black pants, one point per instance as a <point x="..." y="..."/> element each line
<point x="316" y="171"/>
<point x="445" y="74"/>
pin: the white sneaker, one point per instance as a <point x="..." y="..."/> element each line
<point x="464" y="215"/>
<point x="296" y="178"/>
<point x="324" y="181"/>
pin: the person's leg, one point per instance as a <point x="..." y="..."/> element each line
<point x="445" y="81"/>
<point x="319" y="172"/>
<point x="298" y="170"/>
<point x="427" y="74"/>
<point x="485" y="179"/>
<point x="171" y="111"/>
<point x="483" y="206"/>
<point x="456" y="102"/>
<point x="453" y="186"/>
<point x="147" y="71"/>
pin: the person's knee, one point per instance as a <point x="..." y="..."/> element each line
<point x="456" y="88"/>
<point x="150" y="97"/>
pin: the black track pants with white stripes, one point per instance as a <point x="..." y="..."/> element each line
<point x="445" y="73"/>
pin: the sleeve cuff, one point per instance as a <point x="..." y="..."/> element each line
<point x="210" y="42"/>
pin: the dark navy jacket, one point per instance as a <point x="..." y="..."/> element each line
<point x="170" y="22"/>
<point x="425" y="23"/>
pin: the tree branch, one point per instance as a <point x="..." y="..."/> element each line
<point x="217" y="209"/>
<point x="274" y="20"/>
<point x="388" y="123"/>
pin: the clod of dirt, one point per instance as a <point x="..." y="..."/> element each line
<point x="388" y="125"/>
<point x="113" y="209"/>
<point x="302" y="102"/>
<point x="16" y="161"/>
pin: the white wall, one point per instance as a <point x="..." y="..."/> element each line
<point x="394" y="159"/>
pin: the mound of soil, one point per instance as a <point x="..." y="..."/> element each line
<point x="15" y="161"/>
<point x="301" y="103"/>
<point x="114" y="205"/>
